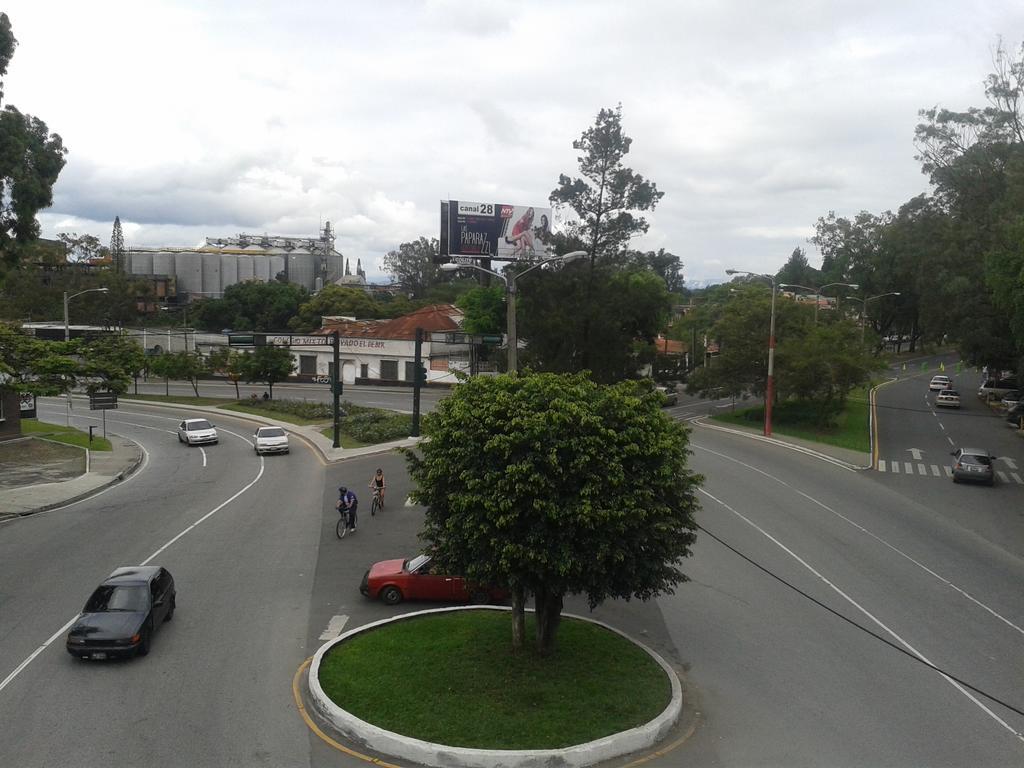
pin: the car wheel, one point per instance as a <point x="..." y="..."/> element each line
<point x="391" y="595"/>
<point x="143" y="648"/>
<point x="170" y="611"/>
<point x="480" y="597"/>
<point x="179" y="438"/>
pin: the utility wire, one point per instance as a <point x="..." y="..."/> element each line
<point x="862" y="628"/>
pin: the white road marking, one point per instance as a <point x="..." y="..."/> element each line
<point x="1009" y="462"/>
<point x="909" y="469"/>
<point x="881" y="465"/>
<point x="334" y="627"/>
<point x="21" y="667"/>
<point x="935" y="471"/>
<point x="1016" y="478"/>
<point x="875" y="620"/>
<point x="915" y="453"/>
<point x="895" y="467"/>
<point x="203" y="451"/>
<point x="1002" y="476"/>
<point x="874" y="536"/>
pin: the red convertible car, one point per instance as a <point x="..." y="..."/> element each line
<point x="416" y="579"/>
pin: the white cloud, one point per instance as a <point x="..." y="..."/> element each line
<point x="190" y="119"/>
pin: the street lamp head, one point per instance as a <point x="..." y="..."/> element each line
<point x="450" y="267"/>
<point x="573" y="256"/>
<point x="102" y="290"/>
<point x="731" y="271"/>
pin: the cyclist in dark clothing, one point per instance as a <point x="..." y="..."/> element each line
<point x="347" y="502"/>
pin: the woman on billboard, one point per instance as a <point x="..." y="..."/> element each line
<point x="521" y="238"/>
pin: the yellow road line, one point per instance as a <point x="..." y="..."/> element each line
<point x="316" y="729"/>
<point x="662" y="752"/>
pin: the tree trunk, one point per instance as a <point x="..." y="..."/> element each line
<point x="195" y="386"/>
<point x="549" y="615"/>
<point x="518" y="619"/>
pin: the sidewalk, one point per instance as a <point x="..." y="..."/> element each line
<point x="105" y="468"/>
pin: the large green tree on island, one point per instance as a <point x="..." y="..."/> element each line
<point x="550" y="484"/>
<point x="31" y="158"/>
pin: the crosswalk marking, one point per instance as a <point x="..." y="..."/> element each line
<point x="935" y="470"/>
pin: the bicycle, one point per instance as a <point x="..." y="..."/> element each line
<point x="377" y="505"/>
<point x="343" y="526"/>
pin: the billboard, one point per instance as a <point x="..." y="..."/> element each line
<point x="495" y="230"/>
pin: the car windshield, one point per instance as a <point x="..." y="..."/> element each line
<point x="973" y="458"/>
<point x="118" y="598"/>
<point x="950" y="393"/>
<point x="200" y="424"/>
<point x="271" y="432"/>
<point x="417" y="562"/>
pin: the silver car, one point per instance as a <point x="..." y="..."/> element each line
<point x="196" y="432"/>
<point x="270" y="440"/>
<point x="973" y="465"/>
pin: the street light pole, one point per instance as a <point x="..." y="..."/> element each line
<point x="864" y="310"/>
<point x="769" y="389"/>
<point x="510" y="291"/>
<point x="67" y="337"/>
<point x="818" y="293"/>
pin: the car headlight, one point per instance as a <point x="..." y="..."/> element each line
<point x="76" y="640"/>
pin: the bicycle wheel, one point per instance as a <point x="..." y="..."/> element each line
<point x="342" y="527"/>
<point x="375" y="507"/>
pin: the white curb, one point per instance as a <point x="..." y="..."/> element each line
<point x="441" y="756"/>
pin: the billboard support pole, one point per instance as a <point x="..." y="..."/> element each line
<point x="513" y="341"/>
<point x="336" y="389"/>
<point x="416" y="383"/>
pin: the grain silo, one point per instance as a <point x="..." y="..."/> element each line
<point x="261" y="269"/>
<point x="228" y="270"/>
<point x="142" y="263"/>
<point x="300" y="268"/>
<point x="163" y="263"/>
<point x="188" y="268"/>
<point x="277" y="266"/>
<point x="211" y="274"/>
<point x="245" y="269"/>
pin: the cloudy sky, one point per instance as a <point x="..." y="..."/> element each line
<point x="211" y="118"/>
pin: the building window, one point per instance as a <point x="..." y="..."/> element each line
<point x="410" y="370"/>
<point x="364" y="371"/>
<point x="389" y="370"/>
<point x="307" y="365"/>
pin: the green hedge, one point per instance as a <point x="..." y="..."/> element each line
<point x="367" y="425"/>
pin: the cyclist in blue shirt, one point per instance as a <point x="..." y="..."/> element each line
<point x="348" y="501"/>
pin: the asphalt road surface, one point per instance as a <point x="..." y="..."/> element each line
<point x="778" y="678"/>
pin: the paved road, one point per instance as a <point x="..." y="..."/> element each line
<point x="915" y="441"/>
<point x="778" y="679"/>
<point x="241" y="536"/>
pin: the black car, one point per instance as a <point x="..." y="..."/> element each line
<point x="122" y="614"/>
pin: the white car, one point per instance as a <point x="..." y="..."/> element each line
<point x="196" y="432"/>
<point x="947" y="398"/>
<point x="671" y="397"/>
<point x="270" y="440"/>
<point x="939" y="383"/>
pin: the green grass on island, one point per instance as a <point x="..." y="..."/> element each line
<point x="452" y="679"/>
<point x="66" y="435"/>
<point x="847" y="429"/>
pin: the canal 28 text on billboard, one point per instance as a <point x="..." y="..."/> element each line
<point x="494" y="230"/>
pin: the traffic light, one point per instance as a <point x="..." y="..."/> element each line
<point x="421" y="374"/>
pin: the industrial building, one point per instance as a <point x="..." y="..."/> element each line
<point x="206" y="271"/>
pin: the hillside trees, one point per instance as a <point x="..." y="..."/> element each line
<point x="31" y="158"/>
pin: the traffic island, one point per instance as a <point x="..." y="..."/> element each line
<point x="443" y="688"/>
